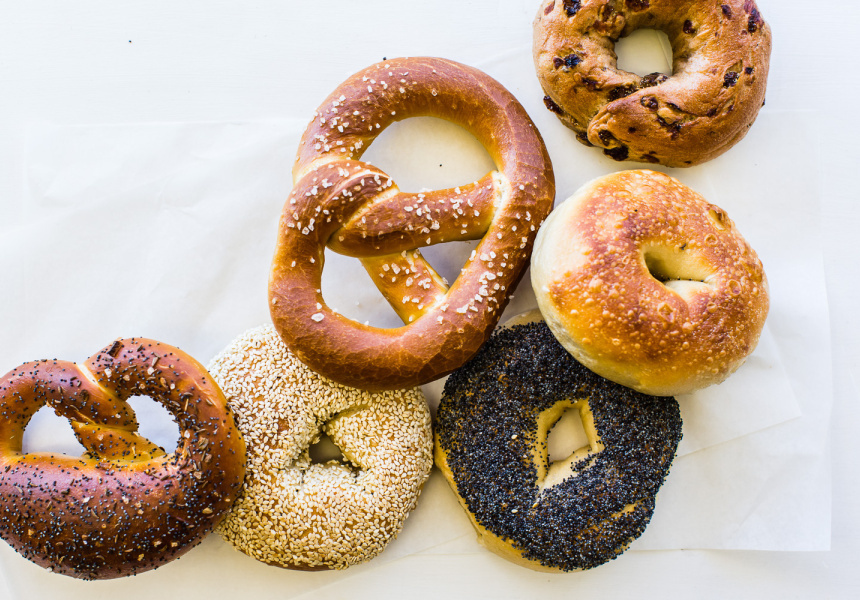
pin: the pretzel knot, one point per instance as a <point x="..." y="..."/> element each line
<point x="356" y="209"/>
<point x="126" y="506"/>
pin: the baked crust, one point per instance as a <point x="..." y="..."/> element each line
<point x="648" y="284"/>
<point x="125" y="507"/>
<point x="297" y="513"/>
<point x="721" y="55"/>
<point x="356" y="209"/>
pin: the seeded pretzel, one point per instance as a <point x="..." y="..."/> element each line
<point x="356" y="210"/>
<point x="126" y="506"/>
<point x="721" y="54"/>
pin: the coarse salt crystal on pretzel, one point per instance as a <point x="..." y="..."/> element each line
<point x="357" y="210"/>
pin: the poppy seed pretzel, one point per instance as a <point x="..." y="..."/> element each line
<point x="356" y="210"/>
<point x="126" y="506"/>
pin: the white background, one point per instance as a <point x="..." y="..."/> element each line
<point x="99" y="99"/>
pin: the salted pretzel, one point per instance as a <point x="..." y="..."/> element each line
<point x="356" y="210"/>
<point x="126" y="506"/>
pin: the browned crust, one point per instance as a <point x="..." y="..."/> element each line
<point x="126" y="507"/>
<point x="351" y="201"/>
<point x="593" y="284"/>
<point x="721" y="58"/>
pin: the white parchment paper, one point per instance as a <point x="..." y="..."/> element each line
<point x="166" y="231"/>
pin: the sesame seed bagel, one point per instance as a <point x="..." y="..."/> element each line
<point x="721" y="54"/>
<point x="491" y="445"/>
<point x="298" y="514"/>
<point x="648" y="284"/>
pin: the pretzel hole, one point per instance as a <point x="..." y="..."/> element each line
<point x="427" y="153"/>
<point x="48" y="432"/>
<point x="643" y="52"/>
<point x="448" y="259"/>
<point x="155" y="422"/>
<point x="360" y="300"/>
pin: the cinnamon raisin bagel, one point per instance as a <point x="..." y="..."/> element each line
<point x="721" y="53"/>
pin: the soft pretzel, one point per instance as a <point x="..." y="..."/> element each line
<point x="357" y="210"/>
<point x="721" y="55"/>
<point x="491" y="445"/>
<point x="299" y="514"/>
<point x="124" y="507"/>
<point x="648" y="284"/>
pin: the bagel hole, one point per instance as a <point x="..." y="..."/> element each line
<point x="567" y="436"/>
<point x="325" y="451"/>
<point x="48" y="432"/>
<point x="658" y="268"/>
<point x="667" y="265"/>
<point x="427" y="153"/>
<point x="155" y="422"/>
<point x="643" y="52"/>
<point x="678" y="270"/>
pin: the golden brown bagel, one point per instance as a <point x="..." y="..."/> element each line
<point x="648" y="284"/>
<point x="355" y="209"/>
<point x="721" y="56"/>
<point x="125" y="507"/>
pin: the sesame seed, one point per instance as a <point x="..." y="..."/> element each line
<point x="295" y="512"/>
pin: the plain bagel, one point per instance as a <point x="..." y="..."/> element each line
<point x="648" y="284"/>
